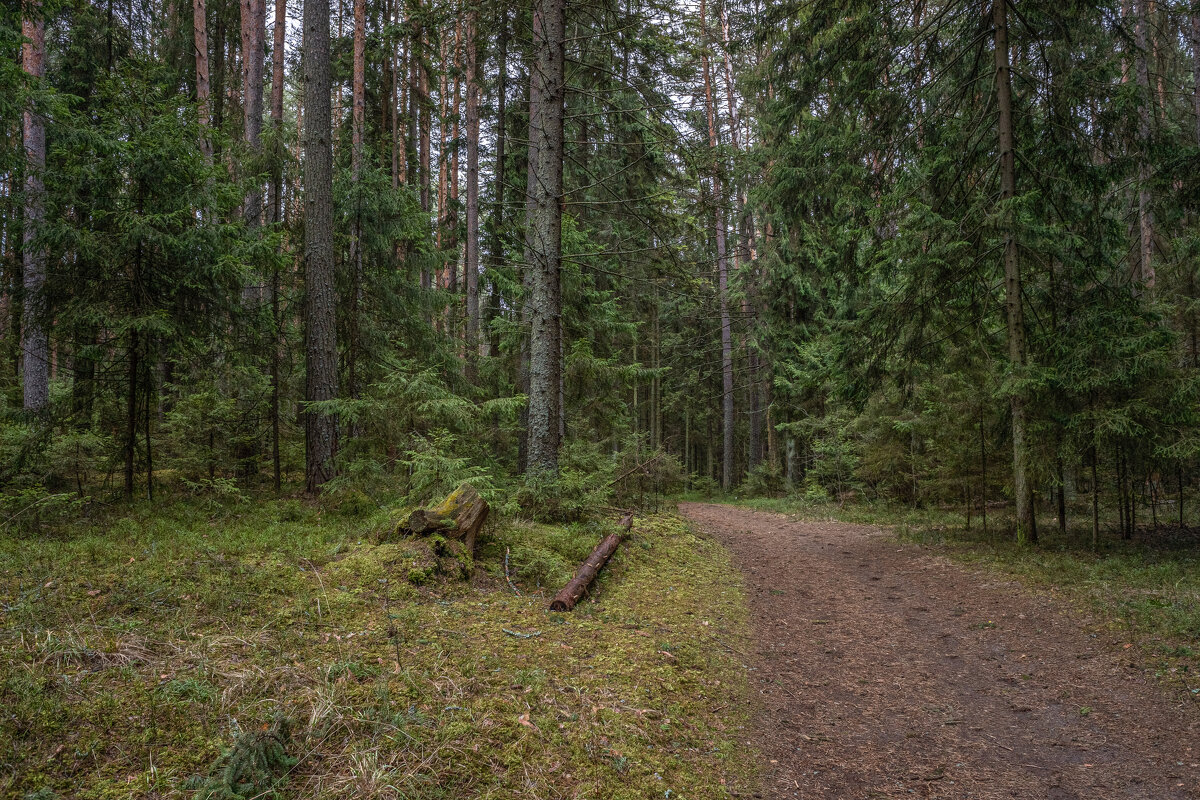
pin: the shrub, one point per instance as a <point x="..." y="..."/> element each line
<point x="254" y="767"/>
<point x="765" y="480"/>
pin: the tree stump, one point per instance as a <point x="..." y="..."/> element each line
<point x="460" y="516"/>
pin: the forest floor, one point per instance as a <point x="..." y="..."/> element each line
<point x="142" y="650"/>
<point x="883" y="669"/>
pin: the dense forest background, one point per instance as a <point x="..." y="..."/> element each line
<point x="938" y="254"/>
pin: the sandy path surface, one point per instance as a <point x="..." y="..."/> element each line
<point x="884" y="671"/>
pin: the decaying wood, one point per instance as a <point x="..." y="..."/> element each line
<point x="459" y="516"/>
<point x="566" y="599"/>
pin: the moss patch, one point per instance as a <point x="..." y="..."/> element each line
<point x="134" y="654"/>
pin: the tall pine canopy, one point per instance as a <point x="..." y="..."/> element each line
<point x="938" y="256"/>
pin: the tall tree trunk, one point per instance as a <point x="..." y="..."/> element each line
<point x="200" y="44"/>
<point x="320" y="347"/>
<point x="357" y="125"/>
<point x="133" y="369"/>
<point x="452" y="192"/>
<point x="741" y="258"/>
<point x="496" y="235"/>
<point x="253" y="33"/>
<point x="722" y="268"/>
<point x="543" y="238"/>
<point x="471" y="247"/>
<point x="1022" y="490"/>
<point x="395" y="61"/>
<point x="277" y="76"/>
<point x="1194" y="41"/>
<point x="217" y="96"/>
<point x="36" y="340"/>
<point x="443" y="159"/>
<point x="1145" y="106"/>
<point x="358" y="87"/>
<point x="253" y="27"/>
<point x="276" y="210"/>
<point x="425" y="106"/>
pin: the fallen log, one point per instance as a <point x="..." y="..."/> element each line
<point x="566" y="599"/>
<point x="460" y="516"/>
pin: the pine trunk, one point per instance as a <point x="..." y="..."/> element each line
<point x="357" y="125"/>
<point x="200" y="44"/>
<point x="496" y="235"/>
<point x="722" y="272"/>
<point x="35" y="340"/>
<point x="320" y="429"/>
<point x="1194" y="41"/>
<point x="1146" y="100"/>
<point x="471" y="254"/>
<point x="452" y="195"/>
<point x="276" y="207"/>
<point x="1022" y="491"/>
<point x="253" y="24"/>
<point x="543" y="239"/>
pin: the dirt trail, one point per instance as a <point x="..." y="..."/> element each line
<point x="885" y="672"/>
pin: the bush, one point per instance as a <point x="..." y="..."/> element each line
<point x="29" y="509"/>
<point x="579" y="490"/>
<point x="765" y="480"/>
<point x="653" y="472"/>
<point x="254" y="767"/>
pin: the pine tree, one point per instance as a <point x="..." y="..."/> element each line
<point x="543" y="238"/>
<point x="320" y="325"/>
<point x="35" y="341"/>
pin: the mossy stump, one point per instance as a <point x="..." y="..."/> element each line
<point x="460" y="516"/>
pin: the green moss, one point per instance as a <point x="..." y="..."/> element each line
<point x="139" y="655"/>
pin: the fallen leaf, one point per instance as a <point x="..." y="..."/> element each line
<point x="93" y="592"/>
<point x="524" y="720"/>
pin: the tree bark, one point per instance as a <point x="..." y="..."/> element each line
<point x="1194" y="41"/>
<point x="253" y="26"/>
<point x="452" y="187"/>
<point x="496" y="234"/>
<point x="722" y="269"/>
<point x="276" y="209"/>
<point x="132" y="369"/>
<point x="358" y="87"/>
<point x="570" y="594"/>
<point x="460" y="516"/>
<point x="357" y="126"/>
<point x="216" y="98"/>
<point x="200" y="43"/>
<point x="277" y="77"/>
<point x="543" y="238"/>
<point x="1145" y="211"/>
<point x="1022" y="492"/>
<point x="424" y="106"/>
<point x="320" y="429"/>
<point x="471" y="247"/>
<point x="395" y="61"/>
<point x="443" y="159"/>
<point x="35" y="339"/>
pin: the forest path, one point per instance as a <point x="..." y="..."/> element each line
<point x="883" y="671"/>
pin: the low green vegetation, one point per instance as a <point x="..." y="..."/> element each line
<point x="278" y="649"/>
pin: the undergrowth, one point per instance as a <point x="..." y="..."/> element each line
<point x="151" y="653"/>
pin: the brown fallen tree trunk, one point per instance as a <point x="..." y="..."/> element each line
<point x="460" y="516"/>
<point x="566" y="599"/>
